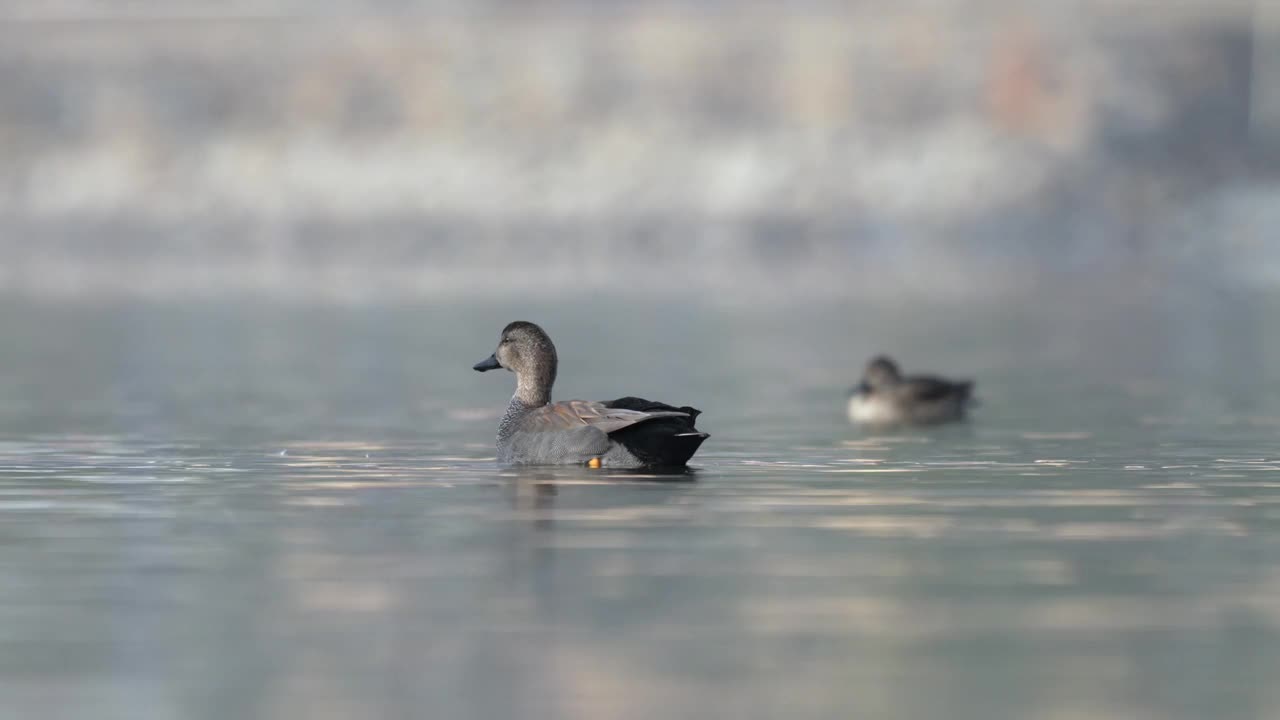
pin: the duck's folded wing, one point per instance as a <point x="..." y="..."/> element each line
<point x="572" y="414"/>
<point x="926" y="388"/>
<point x="631" y="402"/>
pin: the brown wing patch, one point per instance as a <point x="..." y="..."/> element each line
<point x="560" y="416"/>
<point x="577" y="413"/>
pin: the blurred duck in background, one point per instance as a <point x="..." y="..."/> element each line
<point x="886" y="397"/>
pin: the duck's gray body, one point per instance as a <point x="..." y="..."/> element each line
<point x="627" y="433"/>
<point x="885" y="397"/>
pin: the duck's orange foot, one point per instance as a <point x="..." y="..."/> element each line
<point x="594" y="463"/>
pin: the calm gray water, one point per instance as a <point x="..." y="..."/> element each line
<point x="212" y="511"/>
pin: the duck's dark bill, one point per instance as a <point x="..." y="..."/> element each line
<point x="489" y="363"/>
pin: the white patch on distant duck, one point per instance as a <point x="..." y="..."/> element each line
<point x="869" y="410"/>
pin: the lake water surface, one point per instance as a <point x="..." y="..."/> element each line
<point x="262" y="510"/>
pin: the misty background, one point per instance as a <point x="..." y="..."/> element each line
<point x="390" y="151"/>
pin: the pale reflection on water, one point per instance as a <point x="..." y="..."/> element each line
<point x="282" y="512"/>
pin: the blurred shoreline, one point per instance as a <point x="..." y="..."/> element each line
<point x="356" y="151"/>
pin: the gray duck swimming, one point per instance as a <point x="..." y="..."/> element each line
<point x="629" y="432"/>
<point x="886" y="397"/>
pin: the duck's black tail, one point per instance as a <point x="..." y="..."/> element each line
<point x="667" y="441"/>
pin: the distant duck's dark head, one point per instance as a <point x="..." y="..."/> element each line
<point x="881" y="372"/>
<point x="526" y="350"/>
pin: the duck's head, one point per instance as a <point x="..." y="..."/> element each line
<point x="526" y="350"/>
<point x="882" y="371"/>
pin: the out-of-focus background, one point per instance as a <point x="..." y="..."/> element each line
<point x="249" y="251"/>
<point x="367" y="149"/>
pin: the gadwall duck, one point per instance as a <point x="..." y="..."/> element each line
<point x="629" y="432"/>
<point x="885" y="397"/>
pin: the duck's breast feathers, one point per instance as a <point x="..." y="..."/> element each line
<point x="564" y="446"/>
<point x="572" y="414"/>
<point x="874" y="409"/>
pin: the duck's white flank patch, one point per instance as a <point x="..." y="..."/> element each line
<point x="867" y="409"/>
